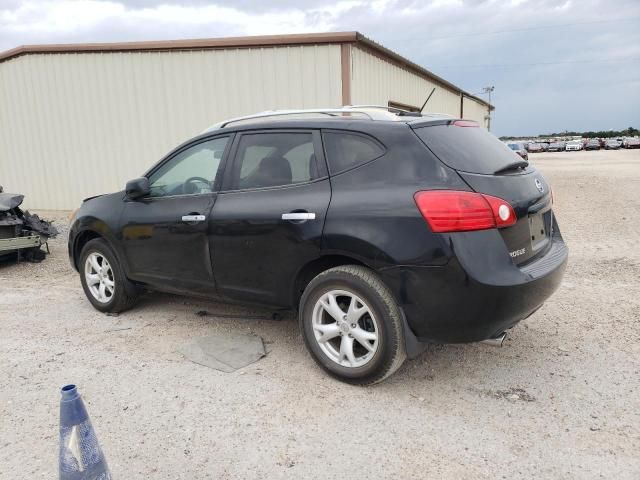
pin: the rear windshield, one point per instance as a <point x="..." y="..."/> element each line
<point x="469" y="149"/>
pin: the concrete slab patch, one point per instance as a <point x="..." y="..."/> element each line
<point x="226" y="352"/>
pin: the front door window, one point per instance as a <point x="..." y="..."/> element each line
<point x="192" y="171"/>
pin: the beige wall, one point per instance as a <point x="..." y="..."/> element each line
<point x="377" y="81"/>
<point x="474" y="110"/>
<point x="81" y="124"/>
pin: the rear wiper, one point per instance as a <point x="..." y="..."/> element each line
<point x="512" y="166"/>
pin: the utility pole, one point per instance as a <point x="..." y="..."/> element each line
<point x="488" y="90"/>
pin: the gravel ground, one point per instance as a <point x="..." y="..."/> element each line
<point x="559" y="400"/>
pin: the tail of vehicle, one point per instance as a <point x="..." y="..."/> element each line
<point x="508" y="193"/>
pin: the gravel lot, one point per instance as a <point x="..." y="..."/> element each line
<point x="560" y="400"/>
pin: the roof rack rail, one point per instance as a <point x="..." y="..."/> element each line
<point x="370" y="112"/>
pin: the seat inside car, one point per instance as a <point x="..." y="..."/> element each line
<point x="271" y="171"/>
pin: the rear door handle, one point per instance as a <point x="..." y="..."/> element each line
<point x="193" y="218"/>
<point x="299" y="216"/>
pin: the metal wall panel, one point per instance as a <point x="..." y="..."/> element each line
<point x="474" y="110"/>
<point x="378" y="81"/>
<point x="81" y="124"/>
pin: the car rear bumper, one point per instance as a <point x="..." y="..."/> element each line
<point x="477" y="295"/>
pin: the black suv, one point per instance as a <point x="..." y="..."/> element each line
<point x="384" y="234"/>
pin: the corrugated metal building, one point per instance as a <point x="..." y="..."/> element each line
<point x="79" y="120"/>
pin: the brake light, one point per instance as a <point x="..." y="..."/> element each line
<point x="465" y="123"/>
<point x="456" y="211"/>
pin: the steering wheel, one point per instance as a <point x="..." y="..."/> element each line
<point x="190" y="184"/>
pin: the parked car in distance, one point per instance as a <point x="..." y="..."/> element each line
<point x="519" y="149"/>
<point x="612" y="145"/>
<point x="534" y="148"/>
<point x="573" y="146"/>
<point x="385" y="232"/>
<point x="544" y="146"/>
<point x="592" y="144"/>
<point x="556" y="147"/>
<point x="631" y="143"/>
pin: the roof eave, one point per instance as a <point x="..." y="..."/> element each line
<point x="190" y="44"/>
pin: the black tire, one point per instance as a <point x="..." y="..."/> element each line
<point x="125" y="293"/>
<point x="364" y="283"/>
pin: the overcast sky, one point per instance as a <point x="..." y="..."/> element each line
<point x="555" y="64"/>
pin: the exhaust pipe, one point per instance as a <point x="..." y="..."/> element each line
<point x="495" y="342"/>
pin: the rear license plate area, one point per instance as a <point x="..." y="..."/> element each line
<point x="539" y="229"/>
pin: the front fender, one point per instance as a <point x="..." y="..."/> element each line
<point x="98" y="217"/>
<point x="86" y="229"/>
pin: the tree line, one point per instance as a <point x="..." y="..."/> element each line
<point x="629" y="132"/>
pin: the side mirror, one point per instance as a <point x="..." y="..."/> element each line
<point x="138" y="187"/>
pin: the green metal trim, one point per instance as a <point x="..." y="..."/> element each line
<point x="17" y="243"/>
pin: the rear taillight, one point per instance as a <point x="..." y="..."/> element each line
<point x="456" y="211"/>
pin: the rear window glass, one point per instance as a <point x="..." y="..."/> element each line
<point x="347" y="150"/>
<point x="468" y="149"/>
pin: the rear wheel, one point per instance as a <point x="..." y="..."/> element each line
<point x="103" y="279"/>
<point x="352" y="326"/>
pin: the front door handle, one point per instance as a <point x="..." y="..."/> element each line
<point x="299" y="216"/>
<point x="193" y="218"/>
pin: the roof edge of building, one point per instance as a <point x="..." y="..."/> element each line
<point x="352" y="37"/>
<point x="188" y="44"/>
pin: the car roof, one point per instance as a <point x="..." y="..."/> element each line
<point x="376" y="128"/>
<point x="316" y="117"/>
<point x="340" y="123"/>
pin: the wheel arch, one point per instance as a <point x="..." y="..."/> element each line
<point x="313" y="268"/>
<point x="308" y="272"/>
<point x="85" y="236"/>
<point x="82" y="238"/>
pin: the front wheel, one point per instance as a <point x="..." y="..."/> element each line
<point x="103" y="279"/>
<point x="352" y="326"/>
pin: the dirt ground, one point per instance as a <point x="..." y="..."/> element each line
<point x="560" y="400"/>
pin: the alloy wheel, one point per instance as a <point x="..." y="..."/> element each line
<point x="345" y="328"/>
<point x="99" y="277"/>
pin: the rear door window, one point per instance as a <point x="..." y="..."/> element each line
<point x="346" y="150"/>
<point x="274" y="159"/>
<point x="468" y="149"/>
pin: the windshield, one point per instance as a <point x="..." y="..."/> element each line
<point x="469" y="149"/>
<point x="514" y="146"/>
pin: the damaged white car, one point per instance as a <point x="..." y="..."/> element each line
<point x="21" y="233"/>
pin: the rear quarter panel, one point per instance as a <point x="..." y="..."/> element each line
<point x="373" y="216"/>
